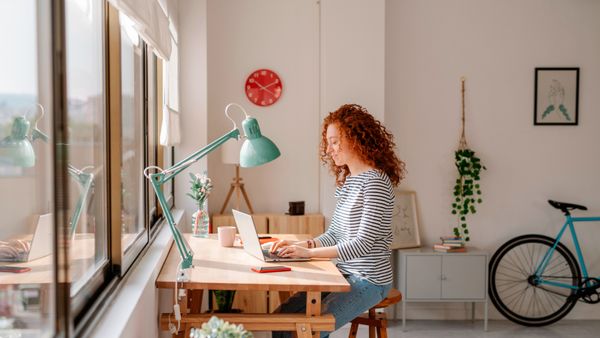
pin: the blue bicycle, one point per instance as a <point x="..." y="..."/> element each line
<point x="535" y="280"/>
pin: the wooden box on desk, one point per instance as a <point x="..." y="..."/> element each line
<point x="270" y="223"/>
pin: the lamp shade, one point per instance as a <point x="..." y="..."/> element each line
<point x="257" y="149"/>
<point x="16" y="149"/>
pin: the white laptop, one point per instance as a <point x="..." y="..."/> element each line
<point x="252" y="246"/>
<point x="31" y="247"/>
<point x="41" y="243"/>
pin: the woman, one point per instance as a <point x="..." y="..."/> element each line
<point x="360" y="153"/>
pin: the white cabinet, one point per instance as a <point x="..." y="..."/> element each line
<point x="429" y="276"/>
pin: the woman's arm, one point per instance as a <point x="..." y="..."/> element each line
<point x="297" y="251"/>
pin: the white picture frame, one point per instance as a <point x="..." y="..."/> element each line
<point x="405" y="223"/>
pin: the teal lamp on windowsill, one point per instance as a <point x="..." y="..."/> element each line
<point x="255" y="151"/>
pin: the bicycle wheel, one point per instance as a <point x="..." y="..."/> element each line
<point x="514" y="291"/>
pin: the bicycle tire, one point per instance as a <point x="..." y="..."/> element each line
<point x="524" y="253"/>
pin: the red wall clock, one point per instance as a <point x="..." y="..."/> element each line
<point x="263" y="87"/>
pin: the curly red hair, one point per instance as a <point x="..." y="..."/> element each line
<point x="369" y="140"/>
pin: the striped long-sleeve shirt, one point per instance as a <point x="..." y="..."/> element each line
<point x="361" y="226"/>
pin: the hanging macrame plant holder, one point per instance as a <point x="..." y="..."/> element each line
<point x="467" y="191"/>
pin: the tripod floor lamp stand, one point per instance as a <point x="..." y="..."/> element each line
<point x="237" y="186"/>
<point x="256" y="150"/>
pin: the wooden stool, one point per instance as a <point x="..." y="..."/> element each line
<point x="376" y="320"/>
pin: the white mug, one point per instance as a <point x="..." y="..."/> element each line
<point x="226" y="235"/>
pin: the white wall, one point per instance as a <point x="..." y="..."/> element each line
<point x="496" y="45"/>
<point x="352" y="66"/>
<point x="192" y="95"/>
<point x="244" y="36"/>
<point x="344" y="38"/>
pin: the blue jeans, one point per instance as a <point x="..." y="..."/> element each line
<point x="344" y="306"/>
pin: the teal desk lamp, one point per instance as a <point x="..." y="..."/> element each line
<point x="85" y="181"/>
<point x="255" y="151"/>
<point x="16" y="149"/>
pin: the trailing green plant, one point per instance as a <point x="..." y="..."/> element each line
<point x="467" y="190"/>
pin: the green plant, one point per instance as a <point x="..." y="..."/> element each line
<point x="218" y="328"/>
<point x="467" y="191"/>
<point x="224" y="299"/>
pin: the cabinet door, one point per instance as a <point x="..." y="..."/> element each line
<point x="313" y="224"/>
<point x="260" y="221"/>
<point x="463" y="277"/>
<point x="423" y="277"/>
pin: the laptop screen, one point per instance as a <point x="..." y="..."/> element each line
<point x="247" y="231"/>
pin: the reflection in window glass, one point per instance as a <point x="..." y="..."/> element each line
<point x="26" y="171"/>
<point x="87" y="146"/>
<point x="132" y="135"/>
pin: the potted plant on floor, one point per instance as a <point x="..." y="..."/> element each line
<point x="224" y="300"/>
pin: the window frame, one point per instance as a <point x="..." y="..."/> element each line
<point x="122" y="261"/>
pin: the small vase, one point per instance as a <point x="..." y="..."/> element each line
<point x="200" y="221"/>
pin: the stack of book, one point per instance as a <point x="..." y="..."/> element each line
<point x="450" y="244"/>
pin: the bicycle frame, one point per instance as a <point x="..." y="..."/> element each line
<point x="570" y="224"/>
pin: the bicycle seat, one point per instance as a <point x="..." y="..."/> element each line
<point x="565" y="207"/>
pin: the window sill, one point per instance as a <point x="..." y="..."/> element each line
<point x="137" y="292"/>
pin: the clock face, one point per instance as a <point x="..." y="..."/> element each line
<point x="263" y="87"/>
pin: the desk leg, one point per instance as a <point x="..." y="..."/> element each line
<point x="195" y="300"/>
<point x="313" y="308"/>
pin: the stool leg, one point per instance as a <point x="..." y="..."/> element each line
<point x="382" y="329"/>
<point x="372" y="315"/>
<point x="353" y="330"/>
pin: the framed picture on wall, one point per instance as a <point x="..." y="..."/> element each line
<point x="556" y="96"/>
<point x="405" y="224"/>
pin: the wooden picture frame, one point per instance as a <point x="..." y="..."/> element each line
<point x="556" y="98"/>
<point x="405" y="223"/>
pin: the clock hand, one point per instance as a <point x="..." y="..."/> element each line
<point x="272" y="83"/>
<point x="264" y="88"/>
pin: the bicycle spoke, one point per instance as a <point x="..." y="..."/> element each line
<point x="517" y="293"/>
<point x="518" y="266"/>
<point x="511" y="269"/>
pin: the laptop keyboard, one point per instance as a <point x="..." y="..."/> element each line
<point x="270" y="255"/>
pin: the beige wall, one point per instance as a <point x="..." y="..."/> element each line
<point x="244" y="36"/>
<point x="496" y="45"/>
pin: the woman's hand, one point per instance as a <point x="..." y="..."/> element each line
<point x="295" y="251"/>
<point x="280" y="244"/>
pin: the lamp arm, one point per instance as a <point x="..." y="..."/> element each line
<point x="85" y="180"/>
<point x="163" y="176"/>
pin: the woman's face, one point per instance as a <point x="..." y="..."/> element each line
<point x="339" y="155"/>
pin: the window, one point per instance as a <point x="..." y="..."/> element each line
<point x="82" y="165"/>
<point x="86" y="149"/>
<point x="26" y="170"/>
<point x="133" y="130"/>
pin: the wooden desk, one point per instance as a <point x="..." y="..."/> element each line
<point x="216" y="267"/>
